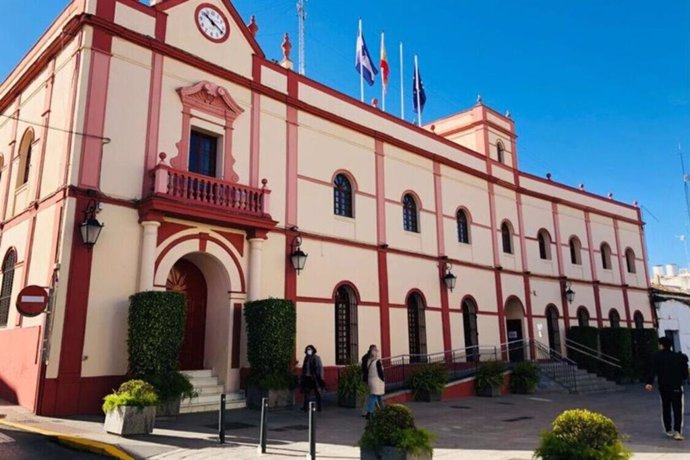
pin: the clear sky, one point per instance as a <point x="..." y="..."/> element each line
<point x="599" y="90"/>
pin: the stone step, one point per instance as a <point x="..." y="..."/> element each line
<point x="198" y="373"/>
<point x="210" y="389"/>
<point x="204" y="381"/>
<point x="194" y="408"/>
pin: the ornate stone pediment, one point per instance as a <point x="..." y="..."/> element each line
<point x="209" y="97"/>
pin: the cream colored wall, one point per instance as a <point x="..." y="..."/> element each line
<point x="400" y="344"/>
<point x="132" y="19"/>
<point x="368" y="327"/>
<point x="537" y="215"/>
<point x="612" y="298"/>
<point x="272" y="154"/>
<point x="316" y="326"/>
<point x="477" y="283"/>
<point x="273" y="265"/>
<point x="406" y="273"/>
<point x="234" y="54"/>
<point x="434" y="331"/>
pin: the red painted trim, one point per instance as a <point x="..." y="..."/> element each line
<point x="621" y="271"/>
<point x="291" y="168"/>
<point x="237" y="240"/>
<point x="500" y="306"/>
<point x="561" y="273"/>
<point x="528" y="306"/>
<point x="349" y="284"/>
<point x="106" y="9"/>
<point x="236" y="335"/>
<point x="10" y="158"/>
<point x="494" y="229"/>
<point x="203" y="241"/>
<point x="290" y="272"/>
<point x="441" y="249"/>
<point x="384" y="303"/>
<point x="221" y="14"/>
<point x="153" y="120"/>
<point x="168" y="229"/>
<point x="597" y="306"/>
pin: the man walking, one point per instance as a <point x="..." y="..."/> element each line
<point x="671" y="371"/>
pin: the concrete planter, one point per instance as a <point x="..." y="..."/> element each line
<point x="276" y="398"/>
<point x="427" y="396"/>
<point x="168" y="409"/>
<point x="391" y="453"/>
<point x="490" y="391"/>
<point x="130" y="420"/>
<point x="352" y="401"/>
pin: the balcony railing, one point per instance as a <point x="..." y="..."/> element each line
<point x="200" y="190"/>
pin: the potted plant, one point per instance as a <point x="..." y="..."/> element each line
<point x="489" y="378"/>
<point x="391" y="434"/>
<point x="351" y="389"/>
<point x="427" y="382"/>
<point x="131" y="409"/>
<point x="171" y="388"/>
<point x="581" y="434"/>
<point x="524" y="378"/>
<point x="271" y="329"/>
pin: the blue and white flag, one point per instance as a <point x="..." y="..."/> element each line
<point x="363" y="62"/>
<point x="418" y="99"/>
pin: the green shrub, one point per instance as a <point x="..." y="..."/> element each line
<point x="394" y="426"/>
<point x="588" y="337"/>
<point x="271" y="329"/>
<point x="524" y="378"/>
<point x="489" y="375"/>
<point x="136" y="393"/>
<point x="581" y="435"/>
<point x="645" y="343"/>
<point x="617" y="342"/>
<point x="350" y="384"/>
<point x="430" y="378"/>
<point x="171" y="386"/>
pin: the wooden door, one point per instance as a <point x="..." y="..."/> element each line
<point x="185" y="277"/>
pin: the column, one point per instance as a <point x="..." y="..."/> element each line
<point x="148" y="255"/>
<point x="256" y="247"/>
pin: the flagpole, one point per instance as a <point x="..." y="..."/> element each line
<point x="416" y="82"/>
<point x="383" y="83"/>
<point x="402" y="85"/>
<point x="361" y="68"/>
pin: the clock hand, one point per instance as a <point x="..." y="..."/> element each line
<point x="212" y="22"/>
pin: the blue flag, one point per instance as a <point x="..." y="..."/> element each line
<point x="422" y="93"/>
<point x="363" y="62"/>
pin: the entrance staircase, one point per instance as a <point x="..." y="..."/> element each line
<point x="568" y="377"/>
<point x="209" y="389"/>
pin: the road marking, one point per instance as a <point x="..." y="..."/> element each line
<point x="4" y="439"/>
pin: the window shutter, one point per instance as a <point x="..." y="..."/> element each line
<point x="354" y="335"/>
<point x="422" y="328"/>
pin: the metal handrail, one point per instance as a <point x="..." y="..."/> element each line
<point x="598" y="358"/>
<point x="590" y="349"/>
<point x="553" y="352"/>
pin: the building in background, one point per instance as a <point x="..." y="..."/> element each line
<point x="671" y="297"/>
<point x="215" y="170"/>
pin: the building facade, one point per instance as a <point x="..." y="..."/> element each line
<point x="210" y="165"/>
<point x="671" y="296"/>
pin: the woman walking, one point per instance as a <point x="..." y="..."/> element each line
<point x="375" y="381"/>
<point x="312" y="377"/>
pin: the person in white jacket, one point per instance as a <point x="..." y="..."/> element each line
<point x="375" y="381"/>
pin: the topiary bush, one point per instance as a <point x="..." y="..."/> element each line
<point x="271" y="329"/>
<point x="429" y="378"/>
<point x="524" y="378"/>
<point x="136" y="393"/>
<point x="582" y="435"/>
<point x="394" y="426"/>
<point x="589" y="337"/>
<point x="645" y="344"/>
<point x="351" y="388"/>
<point x="489" y="375"/>
<point x="617" y="342"/>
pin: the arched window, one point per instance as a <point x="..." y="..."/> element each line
<point x="553" y="329"/>
<point x="575" y="251"/>
<point x="7" y="281"/>
<point x="500" y="152"/>
<point x="614" y="318"/>
<point x="544" y="240"/>
<point x="463" y="227"/>
<point x="342" y="196"/>
<point x="630" y="260"/>
<point x="605" y="256"/>
<point x="507" y="237"/>
<point x="410" y="216"/>
<point x="416" y="327"/>
<point x="25" y="150"/>
<point x="582" y="317"/>
<point x="639" y="320"/>
<point x="469" y="324"/>
<point x="346" y="344"/>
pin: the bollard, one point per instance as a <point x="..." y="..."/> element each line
<point x="312" y="431"/>
<point x="262" y="432"/>
<point x="221" y="420"/>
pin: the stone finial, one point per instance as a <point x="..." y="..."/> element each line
<point x="610" y="196"/>
<point x="508" y="114"/>
<point x="375" y="103"/>
<point x="636" y="204"/>
<point x="286" y="63"/>
<point x="480" y="101"/>
<point x="433" y="128"/>
<point x="253" y="26"/>
<point x="548" y="176"/>
<point x="162" y="156"/>
<point x="581" y="187"/>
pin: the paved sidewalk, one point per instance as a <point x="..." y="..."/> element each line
<point x="505" y="428"/>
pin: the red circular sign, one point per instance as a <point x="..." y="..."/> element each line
<point x="32" y="300"/>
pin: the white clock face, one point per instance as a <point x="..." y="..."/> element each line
<point x="212" y="23"/>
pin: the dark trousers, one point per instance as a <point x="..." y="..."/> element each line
<point x="672" y="400"/>
<point x="309" y="385"/>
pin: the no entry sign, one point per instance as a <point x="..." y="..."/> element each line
<point x="32" y="300"/>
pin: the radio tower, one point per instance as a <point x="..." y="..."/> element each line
<point x="301" y="17"/>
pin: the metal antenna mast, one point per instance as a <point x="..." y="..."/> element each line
<point x="302" y="17"/>
<point x="686" y="178"/>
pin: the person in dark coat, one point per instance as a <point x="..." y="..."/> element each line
<point x="311" y="379"/>
<point x="670" y="370"/>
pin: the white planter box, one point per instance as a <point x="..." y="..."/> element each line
<point x="130" y="420"/>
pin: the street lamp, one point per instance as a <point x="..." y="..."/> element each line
<point x="449" y="279"/>
<point x="569" y="293"/>
<point x="91" y="227"/>
<point x="298" y="257"/>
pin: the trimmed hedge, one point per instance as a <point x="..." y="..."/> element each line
<point x="156" y="332"/>
<point x="589" y="337"/>
<point x="617" y="342"/>
<point x="271" y="329"/>
<point x="645" y="344"/>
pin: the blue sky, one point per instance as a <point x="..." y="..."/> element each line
<point x="599" y="90"/>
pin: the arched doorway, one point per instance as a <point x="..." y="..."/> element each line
<point x="514" y="330"/>
<point x="469" y="323"/>
<point x="553" y="329"/>
<point x="416" y="327"/>
<point x="346" y="344"/>
<point x="185" y="277"/>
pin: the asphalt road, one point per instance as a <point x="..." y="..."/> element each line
<point x="20" y="445"/>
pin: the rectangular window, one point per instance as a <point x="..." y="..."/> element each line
<point x="203" y="154"/>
